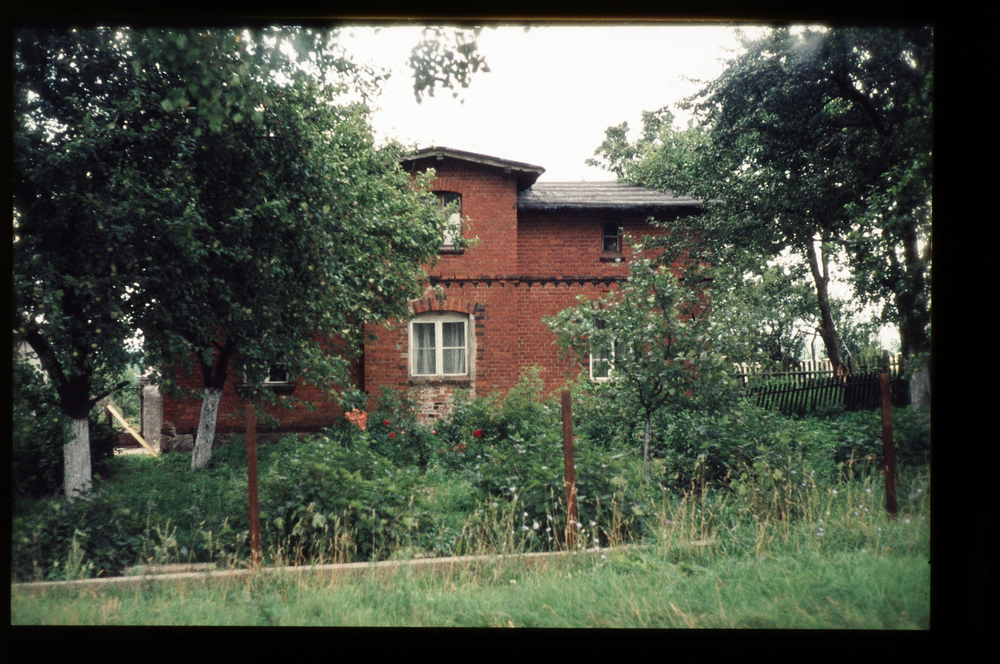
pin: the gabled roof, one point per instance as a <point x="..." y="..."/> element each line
<point x="599" y="196"/>
<point x="526" y="174"/>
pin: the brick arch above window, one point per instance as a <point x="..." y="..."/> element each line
<point x="438" y="303"/>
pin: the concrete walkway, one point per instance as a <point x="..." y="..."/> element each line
<point x="205" y="572"/>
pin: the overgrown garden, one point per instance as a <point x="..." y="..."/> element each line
<point x="683" y="486"/>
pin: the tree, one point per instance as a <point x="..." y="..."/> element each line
<point x="658" y="335"/>
<point x="771" y="305"/>
<point x="815" y="141"/>
<point x="291" y="241"/>
<point x="107" y="216"/>
<point x="72" y="268"/>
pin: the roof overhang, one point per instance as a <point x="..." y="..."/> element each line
<point x="526" y="174"/>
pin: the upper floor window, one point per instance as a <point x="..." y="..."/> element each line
<point x="612" y="237"/>
<point x="439" y="345"/>
<point x="453" y="230"/>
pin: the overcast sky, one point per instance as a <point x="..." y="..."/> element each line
<point x="550" y="93"/>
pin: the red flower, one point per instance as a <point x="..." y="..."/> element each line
<point x="386" y="422"/>
<point x="392" y="435"/>
<point x="478" y="433"/>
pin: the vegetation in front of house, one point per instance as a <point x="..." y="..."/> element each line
<point x="775" y="554"/>
<point x="488" y="479"/>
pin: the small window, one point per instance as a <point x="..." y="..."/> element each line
<point x="453" y="230"/>
<point x="276" y="376"/>
<point x="612" y="237"/>
<point x="276" y="379"/>
<point x="439" y="345"/>
<point x="602" y="360"/>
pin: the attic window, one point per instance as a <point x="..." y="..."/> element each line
<point x="612" y="237"/>
<point x="453" y="231"/>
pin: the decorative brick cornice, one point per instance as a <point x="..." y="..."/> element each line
<point x="531" y="280"/>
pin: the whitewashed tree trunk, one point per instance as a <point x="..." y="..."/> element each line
<point x="920" y="387"/>
<point x="76" y="460"/>
<point x="206" y="428"/>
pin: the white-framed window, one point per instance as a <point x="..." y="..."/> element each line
<point x="276" y="376"/>
<point x="439" y="344"/>
<point x="453" y="230"/>
<point x="602" y="360"/>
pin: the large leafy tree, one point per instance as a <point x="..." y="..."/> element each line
<point x="663" y="345"/>
<point x="162" y="175"/>
<point x="73" y="266"/>
<point x="297" y="228"/>
<point x="818" y="142"/>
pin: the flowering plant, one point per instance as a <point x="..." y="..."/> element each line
<point x="478" y="433"/>
<point x="358" y="417"/>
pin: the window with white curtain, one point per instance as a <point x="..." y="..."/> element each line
<point x="439" y="345"/>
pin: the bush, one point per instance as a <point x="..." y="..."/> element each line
<point x="395" y="432"/>
<point x="911" y="432"/>
<point x="39" y="431"/>
<point x="513" y="449"/>
<point x="317" y="490"/>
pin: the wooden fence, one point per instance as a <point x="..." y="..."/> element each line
<point x="810" y="387"/>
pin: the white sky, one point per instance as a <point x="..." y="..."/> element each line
<point x="550" y="92"/>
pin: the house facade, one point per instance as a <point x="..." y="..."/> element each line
<point x="534" y="248"/>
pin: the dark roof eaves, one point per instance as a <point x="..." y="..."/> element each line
<point x="430" y="153"/>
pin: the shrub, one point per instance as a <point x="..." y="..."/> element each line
<point x="911" y="432"/>
<point x="513" y="449"/>
<point x="395" y="432"/>
<point x="39" y="431"/>
<point x="315" y="491"/>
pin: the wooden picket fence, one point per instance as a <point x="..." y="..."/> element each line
<point x="813" y="385"/>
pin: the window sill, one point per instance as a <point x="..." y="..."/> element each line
<point x="457" y="381"/>
<point x="612" y="257"/>
<point x="450" y="251"/>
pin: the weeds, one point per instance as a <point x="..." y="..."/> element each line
<point x="765" y="508"/>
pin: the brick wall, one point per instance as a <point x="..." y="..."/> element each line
<point x="181" y="413"/>
<point x="525" y="267"/>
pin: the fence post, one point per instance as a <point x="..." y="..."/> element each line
<point x="252" y="486"/>
<point x="887" y="446"/>
<point x="570" y="470"/>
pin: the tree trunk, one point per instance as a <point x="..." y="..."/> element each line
<point x="206" y="428"/>
<point x="827" y="329"/>
<point x="76" y="460"/>
<point x="920" y="387"/>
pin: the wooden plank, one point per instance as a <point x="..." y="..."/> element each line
<point x="128" y="427"/>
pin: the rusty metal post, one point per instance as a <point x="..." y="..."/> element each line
<point x="570" y="470"/>
<point x="252" y="485"/>
<point x="887" y="445"/>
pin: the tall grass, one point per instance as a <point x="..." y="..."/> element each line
<point x="715" y="559"/>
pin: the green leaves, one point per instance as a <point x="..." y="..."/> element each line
<point x="814" y="142"/>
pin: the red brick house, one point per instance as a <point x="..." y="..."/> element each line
<point x="539" y="246"/>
